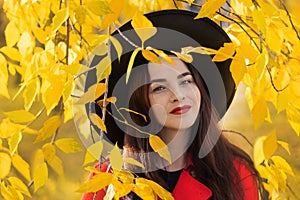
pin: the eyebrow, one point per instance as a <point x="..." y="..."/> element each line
<point x="164" y="80"/>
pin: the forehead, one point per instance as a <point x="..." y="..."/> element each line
<point x="165" y="69"/>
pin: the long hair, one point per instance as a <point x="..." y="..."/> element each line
<point x="216" y="170"/>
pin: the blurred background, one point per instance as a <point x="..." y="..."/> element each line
<point x="238" y="118"/>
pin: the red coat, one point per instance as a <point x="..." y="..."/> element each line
<point x="188" y="188"/>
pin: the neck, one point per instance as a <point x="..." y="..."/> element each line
<point x="178" y="142"/>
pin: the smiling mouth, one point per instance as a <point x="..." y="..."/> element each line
<point x="180" y="110"/>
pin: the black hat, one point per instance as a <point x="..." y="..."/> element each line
<point x="175" y="29"/>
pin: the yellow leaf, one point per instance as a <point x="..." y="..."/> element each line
<point x="103" y="68"/>
<point x="10" y="193"/>
<point x="270" y="145"/>
<point x="152" y="57"/>
<point x="224" y="52"/>
<point x="41" y="35"/>
<point x="98" y="182"/>
<point x="184" y="57"/>
<point x="88" y="158"/>
<point x="26" y="44"/>
<point x="258" y="152"/>
<point x="96" y="120"/>
<point x="133" y="162"/>
<point x="60" y="17"/>
<point x="131" y="61"/>
<point x="19" y="185"/>
<point x="164" y="56"/>
<point x="40" y="176"/>
<point x="80" y="15"/>
<point x="159" y="190"/>
<point x="12" y="34"/>
<point x="68" y="145"/>
<point x="31" y="90"/>
<point x="285" y="145"/>
<point x="8" y="129"/>
<point x="281" y="77"/>
<point x="143" y="190"/>
<point x="108" y="100"/>
<point x="261" y="62"/>
<point x="259" y="20"/>
<point x="13" y="142"/>
<point x="99" y="7"/>
<point x="52" y="90"/>
<point x="115" y="158"/>
<point x="137" y="113"/>
<point x="238" y="68"/>
<point x="57" y="165"/>
<point x="3" y="77"/>
<point x="117" y="46"/>
<point x="143" y="27"/>
<point x="21" y="166"/>
<point x="121" y="188"/>
<point x="160" y="147"/>
<point x="282" y="164"/>
<point x="49" y="128"/>
<point x="95" y="39"/>
<point x="124" y="176"/>
<point x="5" y="164"/>
<point x="11" y="52"/>
<point x="116" y="8"/>
<point x="110" y="193"/>
<point x="209" y="8"/>
<point x="282" y="100"/>
<point x="293" y="116"/>
<point x="93" y="152"/>
<point x="260" y="112"/>
<point x="94" y="92"/>
<point x="20" y="116"/>
<point x="274" y="39"/>
<point x="101" y="49"/>
<point x="48" y="151"/>
<point x="75" y="68"/>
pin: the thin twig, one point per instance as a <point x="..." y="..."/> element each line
<point x="240" y="134"/>
<point x="175" y="4"/>
<point x="124" y="37"/>
<point x="290" y="18"/>
<point x="272" y="81"/>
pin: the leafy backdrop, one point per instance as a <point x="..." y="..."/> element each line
<point x="42" y="72"/>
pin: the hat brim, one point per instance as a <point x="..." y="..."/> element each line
<point x="175" y="29"/>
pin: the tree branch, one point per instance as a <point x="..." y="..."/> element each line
<point x="240" y="134"/>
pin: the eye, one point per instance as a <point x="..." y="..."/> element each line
<point x="159" y="88"/>
<point x="186" y="82"/>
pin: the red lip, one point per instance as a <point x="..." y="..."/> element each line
<point x="180" y="110"/>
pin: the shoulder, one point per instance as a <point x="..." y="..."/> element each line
<point x="247" y="177"/>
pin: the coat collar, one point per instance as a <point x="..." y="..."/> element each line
<point x="189" y="188"/>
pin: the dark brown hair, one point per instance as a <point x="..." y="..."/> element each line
<point x="216" y="170"/>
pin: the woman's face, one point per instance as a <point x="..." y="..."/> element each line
<point x="173" y="94"/>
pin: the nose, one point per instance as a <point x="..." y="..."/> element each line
<point x="177" y="95"/>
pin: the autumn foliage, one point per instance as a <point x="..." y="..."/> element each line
<point x="50" y="44"/>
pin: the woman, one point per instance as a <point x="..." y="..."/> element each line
<point x="177" y="102"/>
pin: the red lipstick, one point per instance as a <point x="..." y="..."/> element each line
<point x="180" y="110"/>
